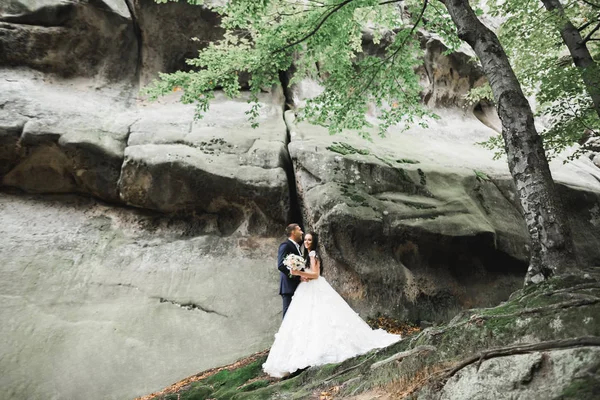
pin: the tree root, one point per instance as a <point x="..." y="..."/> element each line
<point x="475" y="318"/>
<point x="551" y="307"/>
<point x="403" y="354"/>
<point x="522" y="349"/>
<point x="332" y="377"/>
<point x="582" y="286"/>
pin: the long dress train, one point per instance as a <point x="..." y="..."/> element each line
<point x="321" y="328"/>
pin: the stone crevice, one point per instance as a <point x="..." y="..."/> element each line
<point x="192" y="306"/>
<point x="139" y="39"/>
<point x="295" y="213"/>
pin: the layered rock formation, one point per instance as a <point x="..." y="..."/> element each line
<point x="75" y="38"/>
<point x="423" y="223"/>
<point x="60" y="138"/>
<point x="417" y="225"/>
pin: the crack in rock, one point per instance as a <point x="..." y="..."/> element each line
<point x="191" y="306"/>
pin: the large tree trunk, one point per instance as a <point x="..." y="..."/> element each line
<point x="590" y="71"/>
<point x="552" y="246"/>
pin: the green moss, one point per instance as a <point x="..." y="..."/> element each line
<point x="407" y="161"/>
<point x="326" y="370"/>
<point x="586" y="388"/>
<point x="481" y="176"/>
<point x="238" y="376"/>
<point x="255" y="385"/>
<point x="419" y="206"/>
<point x="197" y="392"/>
<point x="356" y="197"/>
<point x="404" y="176"/>
<point x="345" y="149"/>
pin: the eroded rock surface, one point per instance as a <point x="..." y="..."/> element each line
<point x="69" y="38"/>
<point x="424" y="223"/>
<point x="66" y="137"/>
<point x="101" y="302"/>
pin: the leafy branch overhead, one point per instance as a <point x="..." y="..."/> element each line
<point x="324" y="41"/>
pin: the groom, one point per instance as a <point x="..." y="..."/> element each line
<point x="288" y="282"/>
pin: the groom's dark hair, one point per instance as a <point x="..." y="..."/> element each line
<point x="290" y="228"/>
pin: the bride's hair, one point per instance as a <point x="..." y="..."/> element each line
<point x="315" y="248"/>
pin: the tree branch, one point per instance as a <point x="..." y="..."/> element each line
<point x="316" y="29"/>
<point x="403" y="354"/>
<point x="522" y="349"/>
<point x="591" y="3"/>
<point x="582" y="27"/>
<point x="589" y="36"/>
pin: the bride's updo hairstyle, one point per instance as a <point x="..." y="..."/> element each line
<point x="315" y="248"/>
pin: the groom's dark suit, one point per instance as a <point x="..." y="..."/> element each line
<point x="287" y="285"/>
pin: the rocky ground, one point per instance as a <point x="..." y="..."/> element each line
<point x="544" y="343"/>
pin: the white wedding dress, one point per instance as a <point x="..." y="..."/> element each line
<point x="320" y="328"/>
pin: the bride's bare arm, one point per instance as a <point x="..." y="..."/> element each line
<point x="314" y="269"/>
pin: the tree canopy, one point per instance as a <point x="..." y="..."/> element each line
<point x="323" y="41"/>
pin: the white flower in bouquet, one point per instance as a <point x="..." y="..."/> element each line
<point x="294" y="262"/>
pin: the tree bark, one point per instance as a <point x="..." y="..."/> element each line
<point x="590" y="71"/>
<point x="551" y="242"/>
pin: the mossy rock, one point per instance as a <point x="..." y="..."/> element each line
<point x="407" y="161"/>
<point x="562" y="308"/>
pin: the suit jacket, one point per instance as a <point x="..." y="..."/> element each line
<point x="287" y="285"/>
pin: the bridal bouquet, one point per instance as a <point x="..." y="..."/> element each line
<point x="294" y="262"/>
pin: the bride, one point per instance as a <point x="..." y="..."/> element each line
<point x="319" y="327"/>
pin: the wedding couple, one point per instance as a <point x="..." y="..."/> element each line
<point x="318" y="326"/>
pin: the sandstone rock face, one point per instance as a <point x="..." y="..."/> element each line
<point x="101" y="302"/>
<point x="217" y="166"/>
<point x="63" y="138"/>
<point x="424" y="223"/>
<point x="166" y="32"/>
<point x="418" y="225"/>
<point x="68" y="139"/>
<point x="447" y="78"/>
<point x="109" y="40"/>
<point x="74" y="38"/>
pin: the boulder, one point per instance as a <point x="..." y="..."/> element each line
<point x="539" y="375"/>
